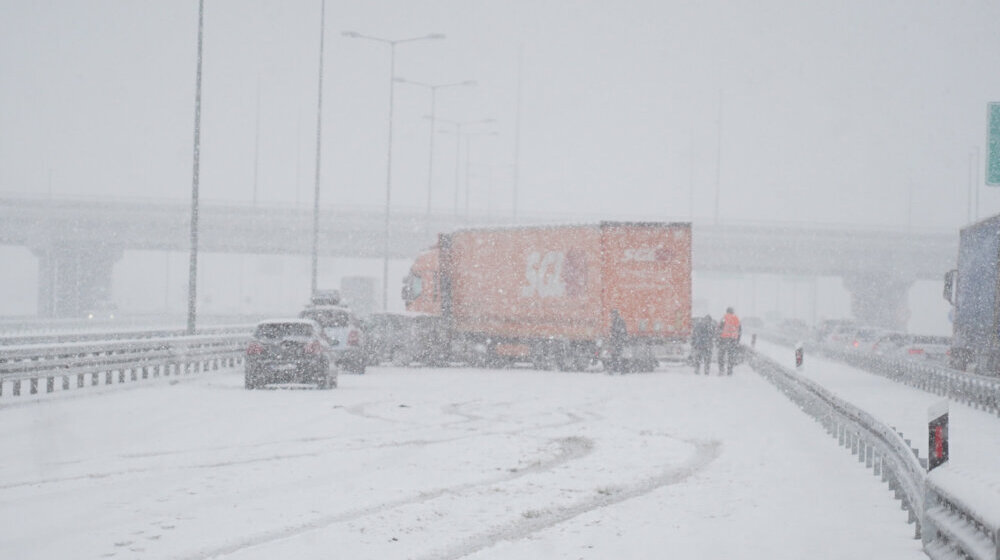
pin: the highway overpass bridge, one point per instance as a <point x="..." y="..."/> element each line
<point x="78" y="241"/>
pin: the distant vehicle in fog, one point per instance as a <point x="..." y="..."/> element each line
<point x="405" y="338"/>
<point x="934" y="348"/>
<point x="289" y="351"/>
<point x="102" y="310"/>
<point x="863" y="338"/>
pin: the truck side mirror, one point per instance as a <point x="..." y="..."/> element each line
<point x="949" y="286"/>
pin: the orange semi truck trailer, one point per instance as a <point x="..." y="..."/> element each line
<point x="547" y="294"/>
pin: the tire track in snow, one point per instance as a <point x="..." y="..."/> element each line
<point x="571" y="418"/>
<point x="570" y="449"/>
<point x="705" y="453"/>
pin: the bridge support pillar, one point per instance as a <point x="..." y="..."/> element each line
<point x="73" y="279"/>
<point x="879" y="300"/>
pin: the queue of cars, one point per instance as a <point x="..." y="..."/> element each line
<point x="327" y="338"/>
<point x="850" y="335"/>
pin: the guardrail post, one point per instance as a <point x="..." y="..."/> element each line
<point x="34" y="386"/>
<point x="50" y="384"/>
<point x="79" y="380"/>
<point x="17" y="387"/>
<point x="95" y="378"/>
<point x="65" y="383"/>
<point x="869" y="454"/>
<point x="121" y="375"/>
<point x="145" y="372"/>
<point x="855" y="443"/>
<point x="107" y="377"/>
<point x="877" y="464"/>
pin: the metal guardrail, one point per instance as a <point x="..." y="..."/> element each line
<point x="960" y="516"/>
<point x="61" y="337"/>
<point x="876" y="445"/>
<point x="124" y="360"/>
<point x="960" y="527"/>
<point x="978" y="391"/>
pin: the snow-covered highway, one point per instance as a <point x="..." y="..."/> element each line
<point x="438" y="463"/>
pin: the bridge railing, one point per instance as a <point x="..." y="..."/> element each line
<point x="118" y="361"/>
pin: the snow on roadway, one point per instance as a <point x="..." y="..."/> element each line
<point x="439" y="463"/>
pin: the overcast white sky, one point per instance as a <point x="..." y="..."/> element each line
<point x="831" y="111"/>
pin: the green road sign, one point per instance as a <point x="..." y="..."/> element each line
<point x="993" y="145"/>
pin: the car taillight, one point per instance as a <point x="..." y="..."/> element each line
<point x="353" y="338"/>
<point x="856" y="344"/>
<point x="916" y="350"/>
<point x="254" y="349"/>
<point x="313" y="347"/>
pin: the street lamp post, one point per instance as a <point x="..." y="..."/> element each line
<point x="459" y="125"/>
<point x="193" y="258"/>
<point x="430" y="157"/>
<point x="388" y="173"/>
<point x="319" y="140"/>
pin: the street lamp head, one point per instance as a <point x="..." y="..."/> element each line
<point x="435" y="36"/>
<point x="468" y="83"/>
<point x="351" y="34"/>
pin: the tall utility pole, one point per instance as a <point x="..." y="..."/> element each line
<point x="193" y="262"/>
<point x="975" y="179"/>
<point x="256" y="145"/>
<point x="718" y="163"/>
<point x="459" y="125"/>
<point x="388" y="163"/>
<point x="517" y="135"/>
<point x="319" y="142"/>
<point x="433" y="88"/>
<point x="972" y="181"/>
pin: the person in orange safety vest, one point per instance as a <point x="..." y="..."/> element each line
<point x="730" y="331"/>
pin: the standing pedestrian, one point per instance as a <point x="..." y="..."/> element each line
<point x="730" y="331"/>
<point x="618" y="336"/>
<point x="702" y="337"/>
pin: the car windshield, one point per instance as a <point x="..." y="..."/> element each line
<point x="276" y="331"/>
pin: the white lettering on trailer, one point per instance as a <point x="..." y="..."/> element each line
<point x="543" y="275"/>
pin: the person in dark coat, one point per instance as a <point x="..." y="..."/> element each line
<point x="618" y="336"/>
<point x="702" y="337"/>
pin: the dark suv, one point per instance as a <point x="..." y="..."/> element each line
<point x="290" y="351"/>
